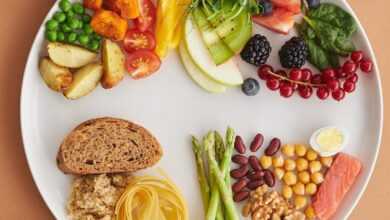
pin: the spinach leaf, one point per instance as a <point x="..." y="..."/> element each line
<point x="335" y="16"/>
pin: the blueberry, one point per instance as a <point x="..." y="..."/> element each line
<point x="313" y="3"/>
<point x="250" y="87"/>
<point x="267" y="7"/>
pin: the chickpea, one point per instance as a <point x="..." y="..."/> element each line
<point x="311" y="188"/>
<point x="311" y="155"/>
<point x="315" y="166"/>
<point x="310" y="213"/>
<point x="302" y="164"/>
<point x="289" y="165"/>
<point x="287" y="192"/>
<point x="304" y="177"/>
<point x="288" y="150"/>
<point x="278" y="161"/>
<point x="265" y="161"/>
<point x="300" y="150"/>
<point x="317" y="177"/>
<point x="300" y="202"/>
<point x="290" y="178"/>
<point x="326" y="161"/>
<point x="299" y="189"/>
<point x="279" y="173"/>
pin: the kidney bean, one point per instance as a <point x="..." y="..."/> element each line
<point x="240" y="159"/>
<point x="239" y="172"/>
<point x="257" y="175"/>
<point x="240" y="185"/>
<point x="254" y="162"/>
<point x="239" y="145"/>
<point x="273" y="147"/>
<point x="257" y="142"/>
<point x="241" y="196"/>
<point x="269" y="178"/>
<point x="254" y="184"/>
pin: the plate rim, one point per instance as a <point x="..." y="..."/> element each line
<point x="22" y="114"/>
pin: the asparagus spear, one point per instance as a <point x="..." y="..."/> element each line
<point x="216" y="199"/>
<point x="219" y="176"/>
<point x="202" y="177"/>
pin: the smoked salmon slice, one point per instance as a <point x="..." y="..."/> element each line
<point x="338" y="181"/>
<point x="280" y="21"/>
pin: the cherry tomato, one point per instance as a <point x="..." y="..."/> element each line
<point x="147" y="17"/>
<point x="137" y="40"/>
<point x="142" y="63"/>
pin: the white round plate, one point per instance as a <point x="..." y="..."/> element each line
<point x="172" y="107"/>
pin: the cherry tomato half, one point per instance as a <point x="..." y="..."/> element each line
<point x="137" y="40"/>
<point x="142" y="63"/>
<point x="147" y="17"/>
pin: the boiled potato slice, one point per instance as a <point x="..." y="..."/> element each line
<point x="84" y="81"/>
<point x="67" y="55"/>
<point x="56" y="77"/>
<point x="113" y="64"/>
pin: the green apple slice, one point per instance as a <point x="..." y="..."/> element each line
<point x="197" y="75"/>
<point x="227" y="73"/>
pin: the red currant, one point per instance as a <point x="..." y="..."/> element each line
<point x="305" y="91"/>
<point x="352" y="78"/>
<point x="286" y="90"/>
<point x="340" y="73"/>
<point x="306" y="75"/>
<point x="263" y="71"/>
<point x="349" y="86"/>
<point x="281" y="73"/>
<point x="273" y="84"/>
<point x="294" y="86"/>
<point x="316" y="79"/>
<point x="323" y="93"/>
<point x="328" y="74"/>
<point x="333" y="84"/>
<point x="296" y="74"/>
<point x="357" y="56"/>
<point x="338" y="95"/>
<point x="366" y="65"/>
<point x="349" y="67"/>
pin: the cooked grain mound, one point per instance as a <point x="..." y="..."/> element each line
<point x="108" y="145"/>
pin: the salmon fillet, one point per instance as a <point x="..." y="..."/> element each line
<point x="338" y="181"/>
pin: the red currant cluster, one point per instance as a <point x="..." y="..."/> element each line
<point x="335" y="82"/>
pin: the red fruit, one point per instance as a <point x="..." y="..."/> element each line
<point x="147" y="18"/>
<point x="357" y="56"/>
<point x="137" y="40"/>
<point x="316" y="79"/>
<point x="295" y="74"/>
<point x="340" y="73"/>
<point x="263" y="71"/>
<point x="306" y="75"/>
<point x="328" y="74"/>
<point x="349" y="67"/>
<point x="290" y="5"/>
<point x="338" y="95"/>
<point x="366" y="65"/>
<point x="281" y="20"/>
<point x="273" y="84"/>
<point x="286" y="90"/>
<point x="349" y="86"/>
<point x="333" y="84"/>
<point x="353" y="77"/>
<point x="305" y="91"/>
<point x="323" y="93"/>
<point x="294" y="86"/>
<point x="142" y="63"/>
<point x="281" y="73"/>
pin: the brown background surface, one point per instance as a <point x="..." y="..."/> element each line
<point x="20" y="19"/>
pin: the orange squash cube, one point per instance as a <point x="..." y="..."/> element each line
<point x="109" y="24"/>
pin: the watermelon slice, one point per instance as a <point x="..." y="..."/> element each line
<point x="291" y="5"/>
<point x="280" y="21"/>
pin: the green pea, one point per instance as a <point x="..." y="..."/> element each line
<point x="78" y="8"/>
<point x="52" y="24"/>
<point x="60" y="36"/>
<point x="96" y="36"/>
<point x="65" y="28"/>
<point x="71" y="38"/>
<point x="94" y="45"/>
<point x="73" y="23"/>
<point x="69" y="15"/>
<point x="81" y="25"/>
<point x="87" y="29"/>
<point x="65" y="5"/>
<point x="86" y="18"/>
<point x="60" y="16"/>
<point x="51" y="36"/>
<point x="83" y="39"/>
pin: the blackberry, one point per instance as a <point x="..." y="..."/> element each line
<point x="256" y="50"/>
<point x="293" y="53"/>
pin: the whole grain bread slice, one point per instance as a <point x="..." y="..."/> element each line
<point x="108" y="145"/>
